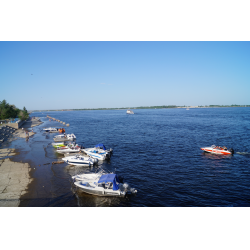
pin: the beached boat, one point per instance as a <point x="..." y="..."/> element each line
<point x="65" y="137"/>
<point x="58" y="144"/>
<point x="89" y="176"/>
<point x="218" y="150"/>
<point x="80" y="160"/>
<point x="103" y="185"/>
<point x="129" y="111"/>
<point x="99" y="152"/>
<point x="51" y="130"/>
<point x="70" y="148"/>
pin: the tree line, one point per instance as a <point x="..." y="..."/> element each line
<point x="11" y="111"/>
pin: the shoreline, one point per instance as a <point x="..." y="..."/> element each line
<point x="15" y="176"/>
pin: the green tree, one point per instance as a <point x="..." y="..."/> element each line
<point x="23" y="114"/>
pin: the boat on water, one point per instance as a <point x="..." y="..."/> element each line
<point x="218" y="150"/>
<point x="89" y="176"/>
<point x="79" y="160"/>
<point x="102" y="184"/>
<point x="99" y="152"/>
<point x="70" y="148"/>
<point x="64" y="137"/>
<point x="129" y="111"/>
<point x="51" y="130"/>
<point x="58" y="144"/>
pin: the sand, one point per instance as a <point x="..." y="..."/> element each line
<point x="15" y="176"/>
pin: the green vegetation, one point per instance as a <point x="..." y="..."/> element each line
<point x="11" y="111"/>
<point x="23" y="114"/>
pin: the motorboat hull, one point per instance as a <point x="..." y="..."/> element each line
<point x="79" y="161"/>
<point x="64" y="150"/>
<point x="51" y="130"/>
<point x="58" y="144"/>
<point x="68" y="137"/>
<point x="99" y="154"/>
<point x="99" y="191"/>
<point x="216" y="151"/>
<point x="100" y="157"/>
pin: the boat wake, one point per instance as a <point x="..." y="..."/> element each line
<point x="126" y="187"/>
<point x="243" y="153"/>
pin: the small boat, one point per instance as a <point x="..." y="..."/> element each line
<point x="65" y="137"/>
<point x="51" y="130"/>
<point x="70" y="148"/>
<point x="62" y="144"/>
<point x="58" y="144"/>
<point x="89" y="176"/>
<point x="103" y="185"/>
<point x="79" y="160"/>
<point x="129" y="111"/>
<point x="99" y="152"/>
<point x="218" y="150"/>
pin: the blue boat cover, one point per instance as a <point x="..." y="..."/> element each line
<point x="100" y="145"/>
<point x="110" y="178"/>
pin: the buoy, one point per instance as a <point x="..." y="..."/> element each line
<point x="67" y="125"/>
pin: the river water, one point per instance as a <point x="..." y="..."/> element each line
<point x="157" y="151"/>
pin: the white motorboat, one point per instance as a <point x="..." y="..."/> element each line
<point x="218" y="150"/>
<point x="103" y="185"/>
<point x="70" y="148"/>
<point x="99" y="152"/>
<point x="79" y="160"/>
<point x="129" y="111"/>
<point x="51" y="130"/>
<point x="65" y="137"/>
<point x="89" y="176"/>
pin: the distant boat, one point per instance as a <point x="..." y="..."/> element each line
<point x="130" y="112"/>
<point x="187" y="109"/>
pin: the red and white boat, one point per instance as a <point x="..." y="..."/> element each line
<point x="218" y="150"/>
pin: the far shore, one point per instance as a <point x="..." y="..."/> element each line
<point x="149" y="107"/>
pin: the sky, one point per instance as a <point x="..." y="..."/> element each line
<point x="102" y="74"/>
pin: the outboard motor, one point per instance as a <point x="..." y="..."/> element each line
<point x="231" y="150"/>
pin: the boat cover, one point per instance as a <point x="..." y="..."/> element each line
<point x="110" y="178"/>
<point x="100" y="145"/>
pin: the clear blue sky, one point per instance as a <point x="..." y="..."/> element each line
<point x="65" y="75"/>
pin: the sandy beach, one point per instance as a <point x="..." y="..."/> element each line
<point x="14" y="176"/>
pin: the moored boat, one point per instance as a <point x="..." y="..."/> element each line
<point x="99" y="152"/>
<point x="51" y="130"/>
<point x="218" y="150"/>
<point x="103" y="185"/>
<point x="58" y="144"/>
<point x="70" y="148"/>
<point x="65" y="137"/>
<point x="80" y="160"/>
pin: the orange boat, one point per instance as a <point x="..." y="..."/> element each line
<point x="61" y="130"/>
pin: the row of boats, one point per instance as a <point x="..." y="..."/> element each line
<point x="100" y="183"/>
